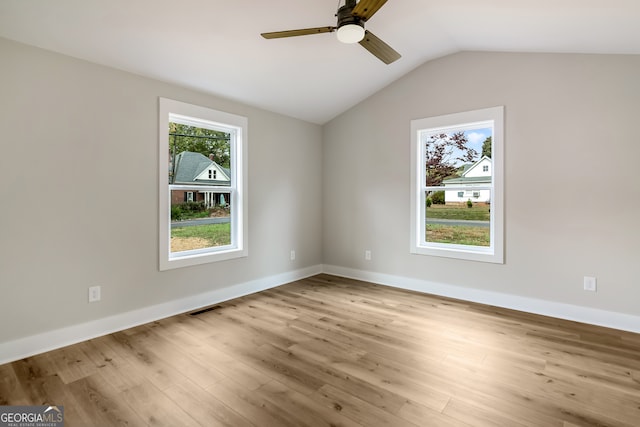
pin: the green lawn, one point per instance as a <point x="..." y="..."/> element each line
<point x="458" y="234"/>
<point x="479" y="212"/>
<point x="200" y="236"/>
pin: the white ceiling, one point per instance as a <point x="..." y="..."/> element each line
<point x="215" y="45"/>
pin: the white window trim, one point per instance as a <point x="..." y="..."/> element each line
<point x="239" y="220"/>
<point x="459" y="121"/>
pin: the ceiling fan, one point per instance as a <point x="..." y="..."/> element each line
<point x="350" y="29"/>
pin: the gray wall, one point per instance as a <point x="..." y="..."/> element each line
<point x="572" y="191"/>
<point x="79" y="193"/>
<point x="79" y="167"/>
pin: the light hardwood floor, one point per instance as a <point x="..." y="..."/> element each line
<point x="328" y="351"/>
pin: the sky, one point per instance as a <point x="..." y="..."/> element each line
<point x="476" y="137"/>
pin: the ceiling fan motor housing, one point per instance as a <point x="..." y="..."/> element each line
<point x="345" y="16"/>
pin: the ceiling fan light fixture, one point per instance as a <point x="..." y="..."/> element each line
<point x="350" y="33"/>
<point x="350" y="29"/>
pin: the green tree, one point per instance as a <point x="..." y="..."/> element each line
<point x="200" y="140"/>
<point x="486" y="147"/>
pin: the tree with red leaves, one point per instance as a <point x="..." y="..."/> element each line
<point x="444" y="155"/>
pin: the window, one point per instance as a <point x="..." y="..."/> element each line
<point x="202" y="185"/>
<point x="446" y="157"/>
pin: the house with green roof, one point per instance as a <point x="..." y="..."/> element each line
<point x="195" y="169"/>
<point x="471" y="185"/>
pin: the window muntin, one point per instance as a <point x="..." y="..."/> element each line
<point x="456" y="190"/>
<point x="203" y="193"/>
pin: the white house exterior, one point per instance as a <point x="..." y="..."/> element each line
<point x="476" y="175"/>
<point x="213" y="172"/>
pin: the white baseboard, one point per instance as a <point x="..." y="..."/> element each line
<point x="593" y="316"/>
<point x="51" y="340"/>
<point x="47" y="341"/>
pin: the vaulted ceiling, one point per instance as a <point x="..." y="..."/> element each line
<point x="215" y="46"/>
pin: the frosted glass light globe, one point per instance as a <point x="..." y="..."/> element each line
<point x="350" y="33"/>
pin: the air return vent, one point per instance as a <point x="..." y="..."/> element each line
<point x="204" y="310"/>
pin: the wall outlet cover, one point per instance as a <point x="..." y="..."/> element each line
<point x="94" y="293"/>
<point x="590" y="284"/>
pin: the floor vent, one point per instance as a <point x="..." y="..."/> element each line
<point x="204" y="310"/>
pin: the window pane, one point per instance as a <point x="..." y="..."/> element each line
<point x="458" y="160"/>
<point x="203" y="222"/>
<point x="462" y="223"/>
<point x="457" y="154"/>
<point x="199" y="156"/>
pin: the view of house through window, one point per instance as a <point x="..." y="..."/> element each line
<point x="457" y="185"/>
<point x="200" y="181"/>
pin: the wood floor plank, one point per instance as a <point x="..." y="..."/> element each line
<point x="35" y="378"/>
<point x="286" y="368"/>
<point x="305" y="410"/>
<point x="389" y="381"/>
<point x="323" y="351"/>
<point x="523" y="395"/>
<point x="145" y="361"/>
<point x="333" y="351"/>
<point x="11" y="392"/>
<point x="102" y="404"/>
<point x="179" y="359"/>
<point x="204" y="408"/>
<point x="245" y="374"/>
<point x="72" y="363"/>
<point x="606" y="375"/>
<point x="420" y="415"/>
<point x="359" y="410"/>
<point x="251" y="405"/>
<point x="328" y="370"/>
<point x="41" y="386"/>
<point x="478" y="416"/>
<point x="155" y="408"/>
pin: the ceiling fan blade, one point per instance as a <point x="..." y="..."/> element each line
<point x="366" y="8"/>
<point x="380" y="49"/>
<point x="294" y="33"/>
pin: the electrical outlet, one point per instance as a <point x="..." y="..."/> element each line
<point x="292" y="255"/>
<point x="94" y="293"/>
<point x="590" y="283"/>
<point x="367" y="255"/>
